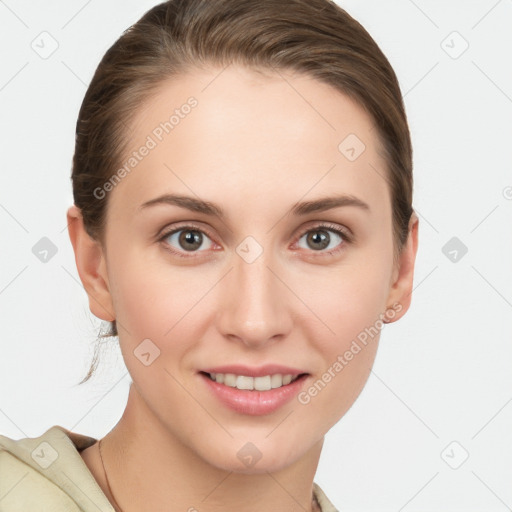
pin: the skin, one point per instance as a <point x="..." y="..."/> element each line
<point x="255" y="146"/>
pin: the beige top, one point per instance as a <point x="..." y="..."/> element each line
<point x="47" y="473"/>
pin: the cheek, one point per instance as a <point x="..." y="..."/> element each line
<point x="350" y="305"/>
<point x="167" y="304"/>
<point x="354" y="317"/>
<point x="347" y="338"/>
<point x="149" y="300"/>
<point x="350" y="299"/>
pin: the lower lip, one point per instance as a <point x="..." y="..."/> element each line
<point x="252" y="402"/>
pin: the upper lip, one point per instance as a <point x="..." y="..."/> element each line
<point x="255" y="371"/>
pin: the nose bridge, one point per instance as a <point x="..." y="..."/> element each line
<point x="255" y="307"/>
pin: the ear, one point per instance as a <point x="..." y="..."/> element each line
<point x="91" y="266"/>
<point x="399" y="298"/>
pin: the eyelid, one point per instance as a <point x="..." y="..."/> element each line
<point x="343" y="231"/>
<point x="164" y="232"/>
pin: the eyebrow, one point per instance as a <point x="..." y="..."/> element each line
<point x="198" y="205"/>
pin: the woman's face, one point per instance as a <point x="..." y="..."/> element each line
<point x="252" y="237"/>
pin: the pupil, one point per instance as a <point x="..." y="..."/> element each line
<point x="320" y="239"/>
<point x="192" y="238"/>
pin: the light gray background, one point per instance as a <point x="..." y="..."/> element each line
<point x="443" y="372"/>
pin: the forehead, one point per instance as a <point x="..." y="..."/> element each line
<point x="231" y="134"/>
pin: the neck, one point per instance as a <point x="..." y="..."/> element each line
<point x="148" y="469"/>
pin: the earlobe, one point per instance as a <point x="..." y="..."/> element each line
<point x="400" y="294"/>
<point x="90" y="263"/>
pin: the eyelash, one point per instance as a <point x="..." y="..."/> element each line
<point x="342" y="233"/>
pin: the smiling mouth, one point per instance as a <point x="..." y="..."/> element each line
<point x="247" y="383"/>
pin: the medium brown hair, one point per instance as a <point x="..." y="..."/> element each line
<point x="314" y="37"/>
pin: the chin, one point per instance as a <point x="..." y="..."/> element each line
<point x="259" y="468"/>
<point x="245" y="457"/>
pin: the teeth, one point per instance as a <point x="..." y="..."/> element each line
<point x="243" y="382"/>
<point x="249" y="383"/>
<point x="276" y="381"/>
<point x="263" y="383"/>
<point x="230" y="380"/>
<point x="287" y="379"/>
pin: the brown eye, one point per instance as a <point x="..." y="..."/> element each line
<point x="322" y="238"/>
<point x="189" y="240"/>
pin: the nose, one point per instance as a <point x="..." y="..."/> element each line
<point x="256" y="303"/>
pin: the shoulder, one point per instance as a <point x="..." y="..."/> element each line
<point x="323" y="500"/>
<point x="48" y="473"/>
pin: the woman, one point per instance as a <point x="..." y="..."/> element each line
<point x="243" y="217"/>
